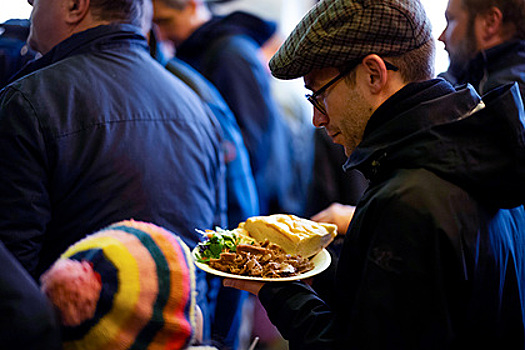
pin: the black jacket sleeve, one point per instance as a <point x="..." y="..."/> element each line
<point x="25" y="206"/>
<point x="27" y="319"/>
<point x="300" y="315"/>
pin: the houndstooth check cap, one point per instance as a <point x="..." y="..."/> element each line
<point x="336" y="32"/>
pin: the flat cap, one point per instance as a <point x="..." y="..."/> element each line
<point x="335" y="32"/>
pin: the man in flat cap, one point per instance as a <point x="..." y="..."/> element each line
<point x="434" y="257"/>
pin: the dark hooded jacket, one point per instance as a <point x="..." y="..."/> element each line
<point x="499" y="65"/>
<point x="225" y="51"/>
<point x="27" y="317"/>
<point x="95" y="132"/>
<point x="240" y="184"/>
<point x="435" y="254"/>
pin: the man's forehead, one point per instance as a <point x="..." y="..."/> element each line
<point x="454" y="6"/>
<point x="308" y="80"/>
<point x="312" y="79"/>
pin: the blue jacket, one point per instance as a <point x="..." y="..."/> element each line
<point x="225" y="51"/>
<point x="98" y="132"/>
<point x="435" y="254"/>
<point x="241" y="191"/>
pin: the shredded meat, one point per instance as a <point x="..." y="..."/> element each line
<point x="261" y="260"/>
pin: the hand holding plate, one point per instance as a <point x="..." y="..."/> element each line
<point x="249" y="286"/>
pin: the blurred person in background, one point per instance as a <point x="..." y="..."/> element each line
<point x="226" y="51"/>
<point x="14" y="51"/>
<point x="485" y="40"/>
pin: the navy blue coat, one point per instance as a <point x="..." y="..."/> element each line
<point x="435" y="254"/>
<point x="225" y="51"/>
<point x="97" y="131"/>
<point x="499" y="65"/>
<point x="243" y="201"/>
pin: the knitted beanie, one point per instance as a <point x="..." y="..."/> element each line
<point x="128" y="286"/>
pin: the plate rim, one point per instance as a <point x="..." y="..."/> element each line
<point x="319" y="266"/>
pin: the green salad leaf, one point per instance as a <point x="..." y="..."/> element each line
<point x="215" y="243"/>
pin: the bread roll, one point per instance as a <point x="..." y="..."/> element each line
<point x="295" y="235"/>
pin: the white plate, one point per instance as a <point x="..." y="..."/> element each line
<point x="321" y="262"/>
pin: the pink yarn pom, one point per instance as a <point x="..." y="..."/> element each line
<point x="74" y="288"/>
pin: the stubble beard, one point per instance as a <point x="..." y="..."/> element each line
<point x="354" y="122"/>
<point x="466" y="51"/>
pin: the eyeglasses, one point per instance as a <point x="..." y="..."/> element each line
<point x="313" y="98"/>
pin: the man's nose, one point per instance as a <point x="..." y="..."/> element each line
<point x="442" y="37"/>
<point x="319" y="119"/>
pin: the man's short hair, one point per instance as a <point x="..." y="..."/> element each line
<point x="120" y="11"/>
<point x="513" y="12"/>
<point x="415" y="65"/>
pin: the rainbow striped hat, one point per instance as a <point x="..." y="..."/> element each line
<point x="128" y="286"/>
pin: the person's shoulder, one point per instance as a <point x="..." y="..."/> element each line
<point x="419" y="186"/>
<point x="232" y="48"/>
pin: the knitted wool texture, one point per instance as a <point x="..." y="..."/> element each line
<point x="147" y="299"/>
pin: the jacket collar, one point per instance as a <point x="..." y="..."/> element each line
<point x="407" y="113"/>
<point x="87" y="41"/>
<point x="236" y="23"/>
<point x="479" y="149"/>
<point x="497" y="58"/>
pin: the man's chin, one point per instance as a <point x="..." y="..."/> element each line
<point x="349" y="149"/>
<point x="33" y="44"/>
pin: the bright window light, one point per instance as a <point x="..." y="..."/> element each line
<point x="435" y="10"/>
<point x="10" y="9"/>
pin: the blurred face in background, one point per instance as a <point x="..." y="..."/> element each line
<point x="459" y="37"/>
<point x="173" y="25"/>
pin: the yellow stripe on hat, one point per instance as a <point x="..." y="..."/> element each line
<point x="149" y="289"/>
<point x="176" y="323"/>
<point x="111" y="325"/>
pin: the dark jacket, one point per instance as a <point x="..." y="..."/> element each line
<point x="330" y="182"/>
<point x="435" y="254"/>
<point x="27" y="318"/>
<point x="241" y="190"/>
<point x="225" y="51"/>
<point x="499" y="65"/>
<point x="89" y="138"/>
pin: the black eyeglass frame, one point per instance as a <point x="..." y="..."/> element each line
<point x="312" y="98"/>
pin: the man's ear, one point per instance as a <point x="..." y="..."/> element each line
<point x="191" y="7"/>
<point x="76" y="10"/>
<point x="376" y="74"/>
<point x="492" y="24"/>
